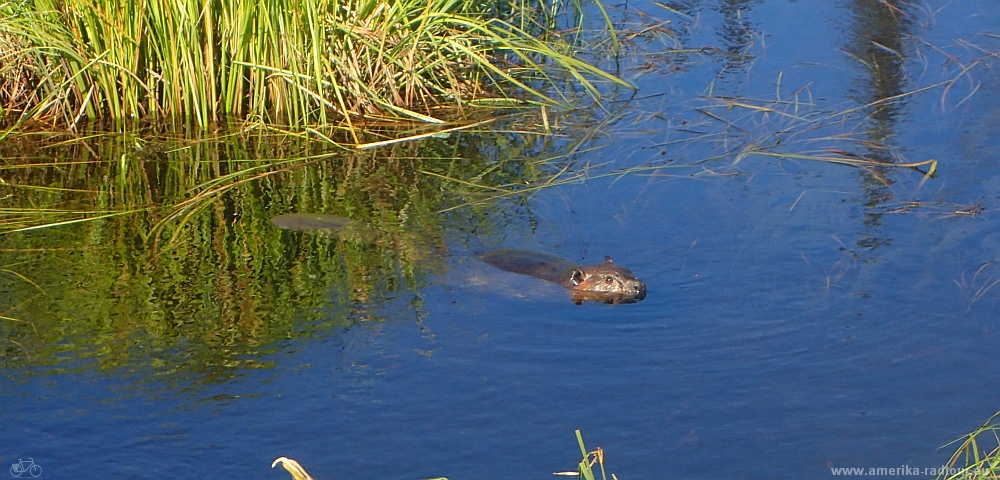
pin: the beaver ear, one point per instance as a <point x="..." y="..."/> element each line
<point x="608" y="259"/>
<point x="577" y="277"/>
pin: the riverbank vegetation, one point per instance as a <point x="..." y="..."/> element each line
<point x="295" y="63"/>
<point x="978" y="454"/>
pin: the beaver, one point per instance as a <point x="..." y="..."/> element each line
<point x="602" y="282"/>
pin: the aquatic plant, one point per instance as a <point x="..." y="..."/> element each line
<point x="971" y="461"/>
<point x="287" y="62"/>
<point x="585" y="469"/>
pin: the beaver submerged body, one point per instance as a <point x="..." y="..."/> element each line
<point x="603" y="282"/>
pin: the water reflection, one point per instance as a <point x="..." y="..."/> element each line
<point x="878" y="30"/>
<point x="184" y="271"/>
<point x="737" y="32"/>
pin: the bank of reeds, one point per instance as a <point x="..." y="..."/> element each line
<point x="288" y="62"/>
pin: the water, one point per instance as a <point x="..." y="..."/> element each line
<point x="800" y="315"/>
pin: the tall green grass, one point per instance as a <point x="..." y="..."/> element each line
<point x="288" y="62"/>
<point x="977" y="456"/>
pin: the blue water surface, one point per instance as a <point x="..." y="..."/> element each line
<point x="800" y="315"/>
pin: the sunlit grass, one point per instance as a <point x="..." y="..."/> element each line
<point x="290" y="62"/>
<point x="978" y="454"/>
<point x="585" y="469"/>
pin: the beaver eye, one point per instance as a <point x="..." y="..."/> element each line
<point x="608" y="279"/>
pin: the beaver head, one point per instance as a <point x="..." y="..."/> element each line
<point x="606" y="282"/>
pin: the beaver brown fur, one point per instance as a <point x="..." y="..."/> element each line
<point x="602" y="282"/>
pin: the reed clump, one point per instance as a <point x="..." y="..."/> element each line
<point x="977" y="456"/>
<point x="287" y="62"/>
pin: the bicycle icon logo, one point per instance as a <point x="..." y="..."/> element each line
<point x="18" y="469"/>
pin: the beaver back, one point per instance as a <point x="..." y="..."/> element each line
<point x="603" y="282"/>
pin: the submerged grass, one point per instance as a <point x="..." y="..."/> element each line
<point x="980" y="283"/>
<point x="289" y="62"/>
<point x="715" y="136"/>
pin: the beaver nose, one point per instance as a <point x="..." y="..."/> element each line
<point x="640" y="291"/>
